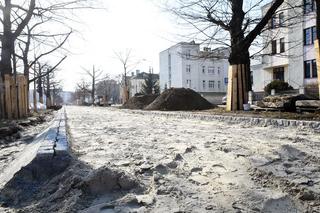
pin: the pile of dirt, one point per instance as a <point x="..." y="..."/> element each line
<point x="139" y="102"/>
<point x="179" y="99"/>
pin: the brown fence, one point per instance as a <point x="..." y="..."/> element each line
<point x="13" y="97"/>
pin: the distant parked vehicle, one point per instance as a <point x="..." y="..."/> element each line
<point x="224" y="100"/>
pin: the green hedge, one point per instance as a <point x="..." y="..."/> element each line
<point x="278" y="86"/>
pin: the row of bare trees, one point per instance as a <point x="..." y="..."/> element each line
<point x="100" y="86"/>
<point x="33" y="31"/>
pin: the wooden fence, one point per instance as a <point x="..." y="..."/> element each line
<point x="13" y="97"/>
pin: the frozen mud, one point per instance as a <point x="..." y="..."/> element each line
<point x="126" y="162"/>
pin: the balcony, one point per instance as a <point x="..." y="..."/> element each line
<point x="270" y="61"/>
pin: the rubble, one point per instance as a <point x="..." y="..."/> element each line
<point x="285" y="102"/>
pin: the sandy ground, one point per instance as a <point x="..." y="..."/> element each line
<point x="126" y="162"/>
<point x="10" y="150"/>
<point x="199" y="166"/>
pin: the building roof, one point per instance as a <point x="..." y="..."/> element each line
<point x="217" y="53"/>
<point x="183" y="43"/>
<point x="144" y="75"/>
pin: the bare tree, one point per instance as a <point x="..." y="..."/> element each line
<point x="219" y="20"/>
<point x="95" y="76"/>
<point x="82" y="91"/>
<point x="10" y="35"/>
<point x="108" y="89"/>
<point x="125" y="57"/>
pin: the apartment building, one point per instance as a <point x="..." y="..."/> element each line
<point x="184" y="65"/>
<point x="289" y="54"/>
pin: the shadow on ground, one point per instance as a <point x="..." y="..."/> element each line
<point x="70" y="186"/>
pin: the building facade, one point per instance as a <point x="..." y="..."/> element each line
<point x="185" y="66"/>
<point x="137" y="81"/>
<point x="289" y="54"/>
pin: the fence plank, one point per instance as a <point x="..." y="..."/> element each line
<point x="7" y="91"/>
<point x="21" y="96"/>
<point x="13" y="97"/>
<point x="2" y="106"/>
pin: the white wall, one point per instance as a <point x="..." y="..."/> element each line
<point x="179" y="74"/>
<point x="296" y="53"/>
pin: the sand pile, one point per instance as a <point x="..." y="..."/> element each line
<point x="179" y="99"/>
<point x="139" y="102"/>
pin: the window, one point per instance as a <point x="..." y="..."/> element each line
<point x="189" y="83"/>
<point x="188" y="68"/>
<point x="211" y="84"/>
<point x="278" y="73"/>
<point x="188" y="54"/>
<point x="219" y="84"/>
<point x="314" y="34"/>
<point x="310" y="35"/>
<point x="310" y="69"/>
<point x="309" y="6"/>
<point x="203" y="69"/>
<point x="203" y="84"/>
<point x="282" y="46"/>
<point x="314" y="69"/>
<point x="226" y="81"/>
<point x="281" y="19"/>
<point x="274" y="47"/>
<point x="211" y="70"/>
<point x="218" y="70"/>
<point x="273" y="22"/>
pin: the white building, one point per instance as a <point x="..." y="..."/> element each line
<point x="290" y="54"/>
<point x="184" y="65"/>
<point x="137" y="81"/>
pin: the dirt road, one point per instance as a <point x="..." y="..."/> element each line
<point x="141" y="162"/>
<point x="198" y="166"/>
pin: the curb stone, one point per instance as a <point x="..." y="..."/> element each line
<point x="252" y="121"/>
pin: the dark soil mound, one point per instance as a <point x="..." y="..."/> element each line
<point x="179" y="99"/>
<point x="139" y="102"/>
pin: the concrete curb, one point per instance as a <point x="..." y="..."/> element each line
<point x="53" y="154"/>
<point x="55" y="142"/>
<point x="42" y="159"/>
<point x="264" y="122"/>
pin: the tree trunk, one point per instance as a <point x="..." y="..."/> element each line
<point x="239" y="79"/>
<point x="317" y="42"/>
<point x="125" y="95"/>
<point x="93" y="92"/>
<point x="35" y="108"/>
<point x="40" y="88"/>
<point x="48" y="95"/>
<point x="6" y="41"/>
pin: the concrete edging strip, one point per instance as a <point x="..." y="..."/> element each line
<point x="253" y="121"/>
